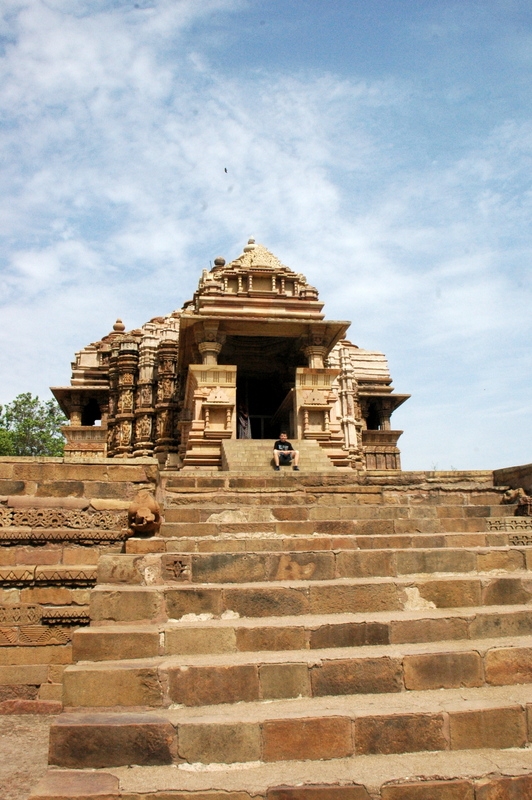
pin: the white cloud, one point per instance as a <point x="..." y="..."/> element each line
<point x="119" y="131"/>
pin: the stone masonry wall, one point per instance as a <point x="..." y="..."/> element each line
<point x="56" y="519"/>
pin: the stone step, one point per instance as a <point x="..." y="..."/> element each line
<point x="118" y="603"/>
<point x="311" y="565"/>
<point x="116" y="642"/>
<point x="486" y="774"/>
<point x="229" y="678"/>
<point x="256" y="542"/>
<point x="255" y="455"/>
<point x="311" y="511"/>
<point x="311" y="729"/>
<point x="333" y="527"/>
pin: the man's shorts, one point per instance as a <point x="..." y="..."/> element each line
<point x="285" y="458"/>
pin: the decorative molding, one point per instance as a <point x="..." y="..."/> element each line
<point x="49" y="575"/>
<point x="521" y="540"/>
<point x="61" y="518"/>
<point x="510" y="524"/>
<point x="20" y="615"/>
<point x="43" y="535"/>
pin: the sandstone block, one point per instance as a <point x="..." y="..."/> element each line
<point x="311" y="738"/>
<point x="283" y="680"/>
<point x="80" y="555"/>
<point x="274" y="602"/>
<point x="120" y="568"/>
<point x="65" y="488"/>
<point x="428" y="630"/>
<point x="117" y="686"/>
<point x="508" y="665"/>
<point x="490" y="625"/>
<point x="17" y="692"/>
<point x="46" y="654"/>
<point x="301" y="566"/>
<point x="419" y="561"/>
<point x="493" y="727"/>
<point x="356" y="675"/>
<point x="125" y="604"/>
<point x="47" y="596"/>
<point x="111" y="740"/>
<point x="190" y="600"/>
<point x="49" y="554"/>
<point x="318" y="793"/>
<point x="22" y="706"/>
<point x="251" y="639"/>
<point x="92" y="644"/>
<point x="198" y="686"/>
<point x="451" y="593"/>
<point x="229" y="567"/>
<point x="336" y="599"/>
<point x="51" y="691"/>
<point x="185" y="641"/>
<point x="443" y="670"/>
<point x="291" y="513"/>
<point x="66" y="785"/>
<point x="143" y="546"/>
<point x="515" y="788"/>
<point x="430" y="790"/>
<point x="295" y="528"/>
<point x="505" y="591"/>
<point x="349" y="634"/>
<point x="509" y="560"/>
<point x="30" y="674"/>
<point x="356" y="564"/>
<point x="336" y="527"/>
<point x="225" y="744"/>
<point x="400" y="733"/>
<point x="12" y="487"/>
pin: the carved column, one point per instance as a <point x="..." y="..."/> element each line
<point x="145" y="397"/>
<point x="166" y="432"/>
<point x="112" y="424"/>
<point x="127" y="363"/>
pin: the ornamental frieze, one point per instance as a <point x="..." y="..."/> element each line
<point x="61" y="518"/>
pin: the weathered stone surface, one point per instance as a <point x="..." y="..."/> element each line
<point x="443" y="670"/>
<point x="451" y="593"/>
<point x="399" y="733"/>
<point x="126" y="605"/>
<point x="90" y="644"/>
<point x="290" y="638"/>
<point x="190" y="600"/>
<point x="497" y="728"/>
<point x="511" y="788"/>
<point x="274" y="602"/>
<point x="116" y="686"/>
<point x="362" y="564"/>
<point x="507" y="665"/>
<point x="329" y="737"/>
<point x="224" y="744"/>
<point x="183" y="641"/>
<point x="120" y="568"/>
<point x="505" y="591"/>
<point x="284" y="680"/>
<point x="111" y="740"/>
<point x="196" y="686"/>
<point x="430" y="790"/>
<point x="428" y="630"/>
<point x="318" y="793"/>
<point x="352" y="676"/>
<point x="67" y="785"/>
<point x="334" y="599"/>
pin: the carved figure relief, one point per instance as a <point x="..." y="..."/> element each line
<point x="144" y="515"/>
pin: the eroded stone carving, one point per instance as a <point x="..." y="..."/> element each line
<point x="144" y="515"/>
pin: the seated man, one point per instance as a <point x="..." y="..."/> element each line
<point x="284" y="453"/>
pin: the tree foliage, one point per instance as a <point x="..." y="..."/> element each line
<point x="31" y="427"/>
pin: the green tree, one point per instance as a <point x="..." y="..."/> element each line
<point x="31" y="427"/>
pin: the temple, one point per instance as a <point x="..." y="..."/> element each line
<point x="254" y="338"/>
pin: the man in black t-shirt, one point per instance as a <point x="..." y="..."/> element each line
<point x="284" y="453"/>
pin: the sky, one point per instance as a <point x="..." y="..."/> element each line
<point x="382" y="148"/>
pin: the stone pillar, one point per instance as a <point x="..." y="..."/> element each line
<point x="166" y="404"/>
<point x="145" y="397"/>
<point x="127" y="364"/>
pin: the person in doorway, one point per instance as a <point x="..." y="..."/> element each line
<point x="284" y="453"/>
<point x="244" y="423"/>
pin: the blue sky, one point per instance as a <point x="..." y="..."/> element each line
<point x="382" y="148"/>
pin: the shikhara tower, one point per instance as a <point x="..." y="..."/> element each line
<point x="253" y="335"/>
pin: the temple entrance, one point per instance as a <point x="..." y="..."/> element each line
<point x="266" y="367"/>
<point x="262" y="397"/>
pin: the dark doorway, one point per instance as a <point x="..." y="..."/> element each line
<point x="90" y="412"/>
<point x="262" y="396"/>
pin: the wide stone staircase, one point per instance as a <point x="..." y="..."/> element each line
<point x="255" y="455"/>
<point x="306" y="636"/>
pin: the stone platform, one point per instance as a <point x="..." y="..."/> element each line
<point x="320" y="636"/>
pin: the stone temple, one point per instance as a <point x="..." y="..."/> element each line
<point x="253" y="335"/>
<point x="201" y="627"/>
